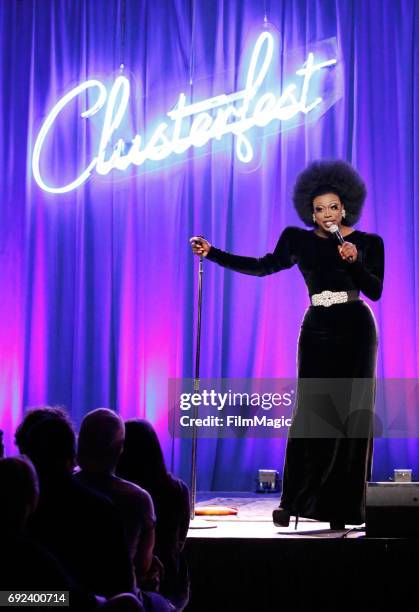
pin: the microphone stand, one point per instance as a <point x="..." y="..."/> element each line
<point x="196" y="390"/>
<point x="194" y="522"/>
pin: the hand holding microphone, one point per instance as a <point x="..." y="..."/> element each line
<point x="347" y="250"/>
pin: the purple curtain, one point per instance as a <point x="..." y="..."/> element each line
<point x="98" y="286"/>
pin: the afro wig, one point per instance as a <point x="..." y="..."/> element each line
<point x="333" y="176"/>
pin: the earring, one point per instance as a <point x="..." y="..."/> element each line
<point x="314" y="218"/>
<point x="343" y="213"/>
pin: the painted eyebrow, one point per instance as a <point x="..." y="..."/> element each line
<point x="330" y="203"/>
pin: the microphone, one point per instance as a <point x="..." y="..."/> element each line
<point x="335" y="231"/>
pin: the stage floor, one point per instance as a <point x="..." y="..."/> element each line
<point x="245" y="563"/>
<point x="254" y="520"/>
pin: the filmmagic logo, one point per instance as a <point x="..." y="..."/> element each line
<point x="189" y="125"/>
<point x="235" y="421"/>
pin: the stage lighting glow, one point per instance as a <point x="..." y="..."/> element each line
<point x="191" y="125"/>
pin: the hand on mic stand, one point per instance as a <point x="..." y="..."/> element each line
<point x="200" y="246"/>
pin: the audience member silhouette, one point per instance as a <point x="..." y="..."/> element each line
<point x="20" y="492"/>
<point x="25" y="565"/>
<point x="100" y="444"/>
<point x="142" y="462"/>
<point x="79" y="526"/>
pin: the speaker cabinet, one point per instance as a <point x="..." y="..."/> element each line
<point x="392" y="509"/>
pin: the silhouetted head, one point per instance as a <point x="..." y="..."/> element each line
<point x="19" y="491"/>
<point x="47" y="437"/>
<point x="101" y="440"/>
<point x="142" y="459"/>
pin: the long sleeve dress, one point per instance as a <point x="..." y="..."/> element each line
<point x="324" y="474"/>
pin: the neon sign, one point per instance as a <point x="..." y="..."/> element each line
<point x="188" y="125"/>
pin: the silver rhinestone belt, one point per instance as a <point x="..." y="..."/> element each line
<point x="328" y="298"/>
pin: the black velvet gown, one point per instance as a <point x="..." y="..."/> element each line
<point x="324" y="477"/>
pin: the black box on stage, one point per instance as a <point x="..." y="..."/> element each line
<point x="392" y="509"/>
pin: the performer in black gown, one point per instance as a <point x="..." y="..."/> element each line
<point x="324" y="476"/>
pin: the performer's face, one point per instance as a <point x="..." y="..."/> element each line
<point x="327" y="209"/>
